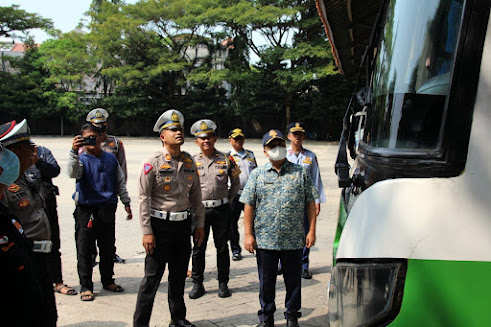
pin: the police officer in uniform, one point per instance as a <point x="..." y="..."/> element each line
<point x="246" y="161"/>
<point x="44" y="169"/>
<point x="110" y="144"/>
<point x="297" y="154"/>
<point x="22" y="296"/>
<point x="170" y="212"/>
<point x="215" y="169"/>
<point x="27" y="203"/>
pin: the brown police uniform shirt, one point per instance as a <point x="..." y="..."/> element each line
<point x="214" y="174"/>
<point x="169" y="184"/>
<point x="115" y="146"/>
<point x="28" y="205"/>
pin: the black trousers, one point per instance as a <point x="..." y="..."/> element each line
<point x="267" y="265"/>
<point x="236" y="208"/>
<point x="102" y="232"/>
<point x="217" y="219"/>
<point x="54" y="257"/>
<point x="39" y="266"/>
<point x="173" y="247"/>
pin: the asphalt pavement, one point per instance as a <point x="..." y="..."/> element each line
<point x="240" y="310"/>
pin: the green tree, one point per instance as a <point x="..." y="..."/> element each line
<point x="14" y="19"/>
<point x="154" y="47"/>
<point x="70" y="68"/>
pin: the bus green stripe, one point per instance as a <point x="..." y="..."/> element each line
<point x="446" y="293"/>
<point x="342" y="216"/>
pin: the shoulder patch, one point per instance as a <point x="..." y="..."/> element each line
<point x="14" y="188"/>
<point x="234" y="169"/>
<point x="147" y="167"/>
<point x="23" y="203"/>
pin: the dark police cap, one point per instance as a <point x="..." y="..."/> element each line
<point x="272" y="135"/>
<point x="296" y="127"/>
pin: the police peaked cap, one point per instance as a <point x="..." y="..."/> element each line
<point x="203" y="127"/>
<point x="168" y="119"/>
<point x="97" y="115"/>
<point x="11" y="132"/>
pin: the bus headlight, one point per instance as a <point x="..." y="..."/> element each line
<point x="366" y="293"/>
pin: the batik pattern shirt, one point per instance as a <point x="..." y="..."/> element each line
<point x="279" y="200"/>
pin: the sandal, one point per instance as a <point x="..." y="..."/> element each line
<point x="86" y="296"/>
<point x="114" y="288"/>
<point x="69" y="290"/>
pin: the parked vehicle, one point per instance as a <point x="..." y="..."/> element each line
<point x="413" y="243"/>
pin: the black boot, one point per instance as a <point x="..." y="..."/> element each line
<point x="223" y="290"/>
<point x="181" y="323"/>
<point x="292" y="322"/>
<point x="197" y="291"/>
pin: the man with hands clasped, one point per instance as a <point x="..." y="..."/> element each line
<point x="275" y="198"/>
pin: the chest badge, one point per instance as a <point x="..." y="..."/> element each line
<point x="167" y="187"/>
<point x="167" y="179"/>
<point x="111" y="144"/>
<point x="23" y="203"/>
<point x="190" y="178"/>
<point x="165" y="166"/>
<point x="221" y="162"/>
<point x="168" y="157"/>
<point x="188" y="160"/>
<point x="308" y="160"/>
<point x="14" y="188"/>
<point x="188" y="165"/>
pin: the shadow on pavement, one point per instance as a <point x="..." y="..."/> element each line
<point x="98" y="324"/>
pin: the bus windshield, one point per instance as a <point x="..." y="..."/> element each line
<point x="412" y="74"/>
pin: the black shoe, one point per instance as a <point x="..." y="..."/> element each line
<point x="118" y="259"/>
<point x="197" y="291"/>
<point x="292" y="322"/>
<point x="306" y="274"/>
<point x="181" y="323"/>
<point x="223" y="290"/>
<point x="237" y="257"/>
<point x="265" y="324"/>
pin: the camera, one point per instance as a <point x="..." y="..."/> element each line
<point x="89" y="140"/>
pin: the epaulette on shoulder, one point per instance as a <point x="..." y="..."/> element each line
<point x="155" y="155"/>
<point x="186" y="154"/>
<point x="113" y="137"/>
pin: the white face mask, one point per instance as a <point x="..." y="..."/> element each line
<point x="277" y="153"/>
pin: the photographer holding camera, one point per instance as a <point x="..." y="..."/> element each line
<point x="100" y="180"/>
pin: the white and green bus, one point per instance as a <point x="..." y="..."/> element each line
<point x="413" y="243"/>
